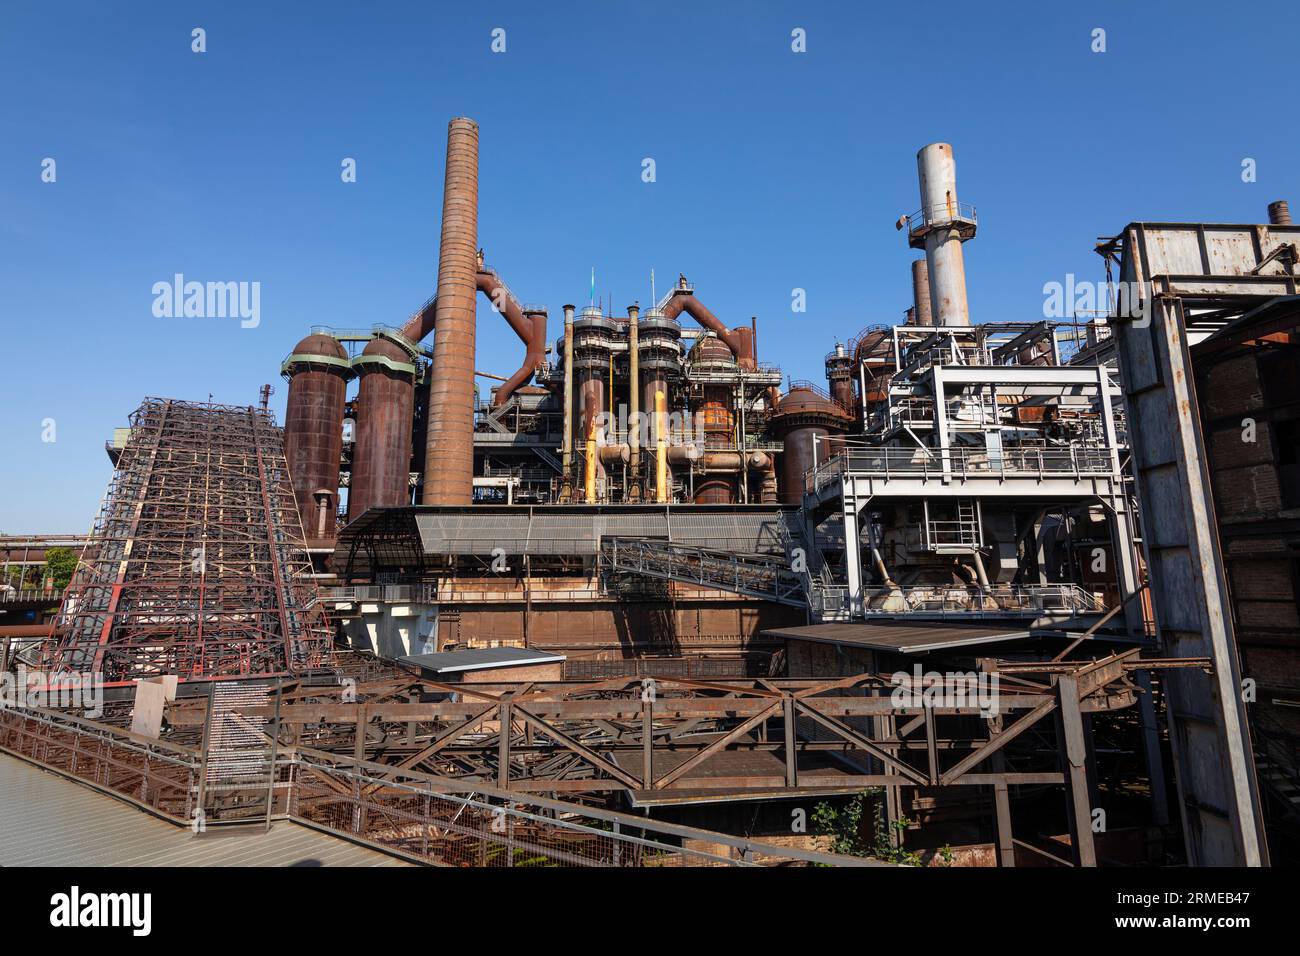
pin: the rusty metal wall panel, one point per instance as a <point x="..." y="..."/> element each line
<point x="1208" y="731"/>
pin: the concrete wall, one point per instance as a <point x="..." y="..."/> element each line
<point x="393" y="630"/>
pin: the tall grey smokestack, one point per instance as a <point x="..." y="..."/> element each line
<point x="1279" y="213"/>
<point x="944" y="224"/>
<point x="921" y="314"/>
<point x="449" y="447"/>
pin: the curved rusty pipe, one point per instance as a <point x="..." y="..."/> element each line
<point x="740" y="341"/>
<point x="421" y="322"/>
<point x="530" y="328"/>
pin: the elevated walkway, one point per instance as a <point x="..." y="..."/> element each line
<point x="48" y="820"/>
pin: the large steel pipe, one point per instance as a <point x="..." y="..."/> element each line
<point x="740" y="340"/>
<point x="943" y="254"/>
<point x="449" y="447"/>
<point x="634" y="396"/>
<point x="567" y="451"/>
<point x="529" y="326"/>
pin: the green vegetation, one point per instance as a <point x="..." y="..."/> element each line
<point x="59" y="564"/>
<point x="845" y="826"/>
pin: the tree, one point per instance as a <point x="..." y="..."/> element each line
<point x="59" y="565"/>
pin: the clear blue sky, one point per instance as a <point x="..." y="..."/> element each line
<point x="775" y="170"/>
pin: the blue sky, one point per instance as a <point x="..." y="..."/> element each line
<point x="775" y="171"/>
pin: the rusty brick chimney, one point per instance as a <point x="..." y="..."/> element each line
<point x="449" y="447"/>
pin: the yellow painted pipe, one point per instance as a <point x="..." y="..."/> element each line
<point x="661" y="448"/>
<point x="590" y="482"/>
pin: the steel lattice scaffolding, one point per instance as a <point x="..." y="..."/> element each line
<point x="195" y="565"/>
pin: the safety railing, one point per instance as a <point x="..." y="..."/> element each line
<point x="10" y="595"/>
<point x="436" y="820"/>
<point x="150" y="773"/>
<point x="941" y="214"/>
<point x="679" y="668"/>
<point x="997" y="599"/>
<point x="411" y="814"/>
<point x="963" y="462"/>
<point x="752" y="575"/>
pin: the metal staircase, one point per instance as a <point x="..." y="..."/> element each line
<point x="799" y="577"/>
<point x="1277" y="766"/>
<point x="762" y="576"/>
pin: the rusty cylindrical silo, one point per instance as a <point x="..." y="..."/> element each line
<point x="318" y="373"/>
<point x="381" y="456"/>
<point x="805" y="419"/>
<point x="449" y="447"/>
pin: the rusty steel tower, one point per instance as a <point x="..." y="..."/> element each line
<point x="195" y="565"/>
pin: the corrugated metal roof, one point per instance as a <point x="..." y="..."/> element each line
<point x="481" y="658"/>
<point x="555" y="531"/>
<point x="900" y="638"/>
<point x="48" y="820"/>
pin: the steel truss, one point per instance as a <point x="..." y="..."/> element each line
<point x="194" y="566"/>
<point x="676" y="740"/>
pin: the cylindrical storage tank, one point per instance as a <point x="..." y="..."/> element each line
<point x="805" y="419"/>
<point x="716" y="490"/>
<point x="797" y="458"/>
<point x="381" y="456"/>
<point x="313" y="427"/>
<point x="713" y="412"/>
<point x="873" y="350"/>
<point x="839" y="376"/>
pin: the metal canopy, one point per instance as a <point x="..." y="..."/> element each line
<point x="899" y="638"/>
<point x="480" y="658"/>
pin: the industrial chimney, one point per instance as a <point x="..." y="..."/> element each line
<point x="940" y="228"/>
<point x="921" y="314"/>
<point x="449" y="447"/>
<point x="1279" y="213"/>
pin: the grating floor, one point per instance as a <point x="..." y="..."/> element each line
<point x="46" y="820"/>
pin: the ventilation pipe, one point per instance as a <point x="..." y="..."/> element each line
<point x="634" y="397"/>
<point x="661" y="451"/>
<point x="449" y="448"/>
<point x="920" y="313"/>
<point x="589" y="477"/>
<point x="740" y="341"/>
<point x="566" y="490"/>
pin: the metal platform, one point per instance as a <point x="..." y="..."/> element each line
<point x="51" y="821"/>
